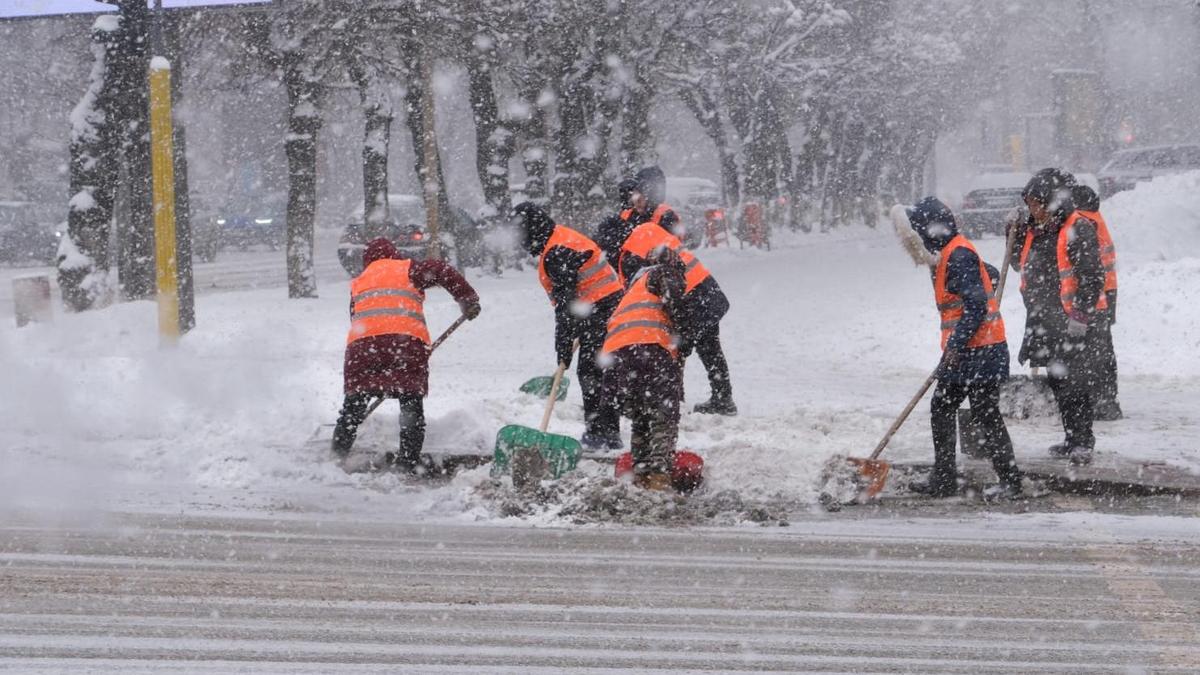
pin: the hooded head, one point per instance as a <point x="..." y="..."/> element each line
<point x="652" y="182"/>
<point x="536" y="226"/>
<point x="625" y="191"/>
<point x="1050" y="191"/>
<point x="1085" y="198"/>
<point x="933" y="221"/>
<point x="379" y="249"/>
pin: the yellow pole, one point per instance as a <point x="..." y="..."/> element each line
<point x="163" y="168"/>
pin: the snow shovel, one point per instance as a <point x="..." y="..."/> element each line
<point x="529" y="453"/>
<point x="869" y="475"/>
<point x="541" y="386"/>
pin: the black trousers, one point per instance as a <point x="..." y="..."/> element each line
<point x="1105" y="356"/>
<point x="644" y="383"/>
<point x="985" y="417"/>
<point x="412" y="424"/>
<point x="1074" y="379"/>
<point x="601" y="420"/>
<point x="708" y="347"/>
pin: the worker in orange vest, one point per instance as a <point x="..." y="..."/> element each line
<point x="387" y="348"/>
<point x="583" y="290"/>
<point x="705" y="300"/>
<point x="1062" y="281"/>
<point x="615" y="228"/>
<point x="1107" y="407"/>
<point x="974" y="353"/>
<point x="642" y="377"/>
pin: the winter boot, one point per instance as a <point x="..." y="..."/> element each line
<point x="1080" y="456"/>
<point x="341" y="444"/>
<point x="717" y="406"/>
<point x="1061" y="450"/>
<point x="1002" y="492"/>
<point x="1107" y="411"/>
<point x="936" y="489"/>
<point x="596" y="441"/>
<point x="657" y="481"/>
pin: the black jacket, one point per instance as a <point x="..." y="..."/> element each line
<point x="1046" y="321"/>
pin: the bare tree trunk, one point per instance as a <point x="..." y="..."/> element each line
<point x="377" y="115"/>
<point x="130" y="71"/>
<point x="304" y="121"/>
<point x="83" y="258"/>
<point x="704" y="108"/>
<point x="414" y="109"/>
<point x="493" y="141"/>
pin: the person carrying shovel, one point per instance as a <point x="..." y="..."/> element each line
<point x="583" y="290"/>
<point x="974" y="353"/>
<point x="387" y="349"/>
<point x="643" y="378"/>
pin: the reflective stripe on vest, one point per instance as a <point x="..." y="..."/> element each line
<point x="649" y="236"/>
<point x="596" y="279"/>
<point x="640" y="319"/>
<point x="385" y="302"/>
<point x="1068" y="284"/>
<point x="1108" y="252"/>
<point x="950" y="306"/>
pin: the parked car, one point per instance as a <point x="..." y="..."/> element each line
<point x="27" y="234"/>
<point x="258" y="220"/>
<point x="691" y="197"/>
<point x="1127" y="168"/>
<point x="989" y="198"/>
<point x="406" y="228"/>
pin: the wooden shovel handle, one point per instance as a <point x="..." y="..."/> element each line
<point x="558" y="375"/>
<point x="904" y="414"/>
<point x="1008" y="252"/>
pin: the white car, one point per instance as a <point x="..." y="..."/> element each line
<point x="1127" y="168"/>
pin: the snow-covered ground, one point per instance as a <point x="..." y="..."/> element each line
<point x="828" y="337"/>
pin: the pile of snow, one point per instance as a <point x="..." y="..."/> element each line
<point x="1158" y="220"/>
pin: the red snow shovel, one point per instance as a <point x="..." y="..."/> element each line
<point x="871" y="474"/>
<point x="687" y="471"/>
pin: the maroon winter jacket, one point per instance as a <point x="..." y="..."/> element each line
<point x="391" y="365"/>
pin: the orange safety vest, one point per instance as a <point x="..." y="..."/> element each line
<point x="649" y="236"/>
<point x="597" y="280"/>
<point x="1108" y="252"/>
<point x="640" y="319"/>
<point x="991" y="331"/>
<point x="384" y="301"/>
<point x="1067" y="283"/>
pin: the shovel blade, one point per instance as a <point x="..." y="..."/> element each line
<point x="561" y="453"/>
<point x="873" y="474"/>
<point x="540" y="387"/>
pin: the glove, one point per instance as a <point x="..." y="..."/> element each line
<point x="1016" y="219"/>
<point x="1077" y="327"/>
<point x="950" y="360"/>
<point x="564" y="348"/>
<point x="471" y="311"/>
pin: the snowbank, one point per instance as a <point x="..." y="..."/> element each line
<point x="1158" y="220"/>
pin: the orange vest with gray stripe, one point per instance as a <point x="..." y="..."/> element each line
<point x="1108" y="252"/>
<point x="384" y="301"/>
<point x="649" y="236"/>
<point x="1068" y="284"/>
<point x="640" y="319"/>
<point x="597" y="280"/>
<point x="950" y="306"/>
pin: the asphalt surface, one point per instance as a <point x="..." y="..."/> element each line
<point x="865" y="591"/>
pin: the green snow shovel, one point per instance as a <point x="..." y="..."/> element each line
<point x="531" y="453"/>
<point x="541" y="386"/>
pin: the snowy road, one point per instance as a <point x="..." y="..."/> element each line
<point x="196" y="594"/>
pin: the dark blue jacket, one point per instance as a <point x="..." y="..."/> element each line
<point x="936" y="226"/>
